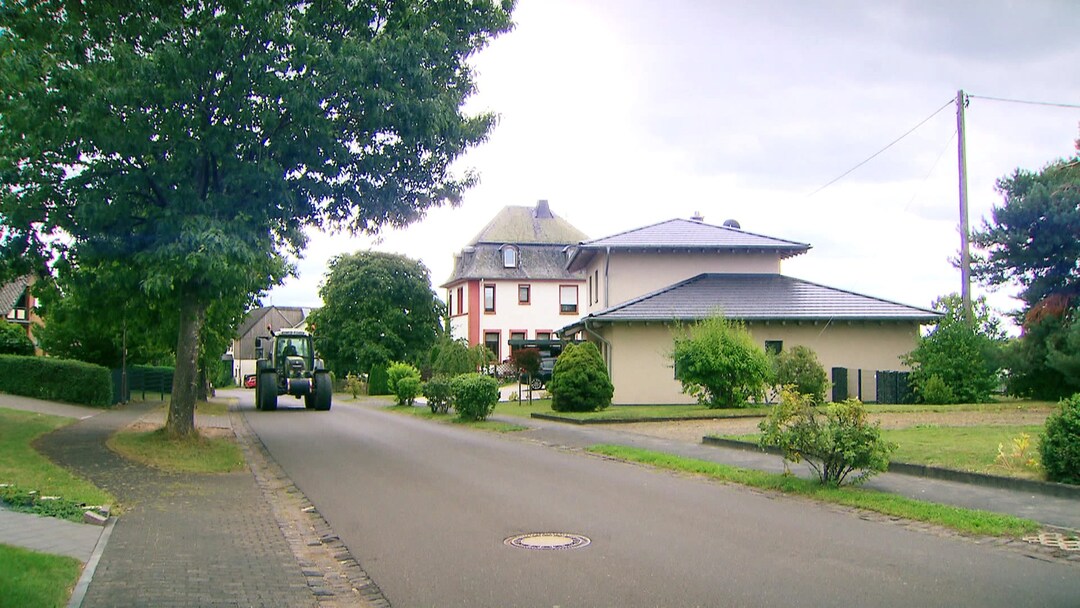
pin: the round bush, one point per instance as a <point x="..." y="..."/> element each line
<point x="437" y="391"/>
<point x="475" y="396"/>
<point x="580" y="382"/>
<point x="397" y="371"/>
<point x="799" y="366"/>
<point x="407" y="389"/>
<point x="1060" y="445"/>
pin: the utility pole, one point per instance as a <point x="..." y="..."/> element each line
<point x="965" y="255"/>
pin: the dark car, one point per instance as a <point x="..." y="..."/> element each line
<point x="249" y="381"/>
<point x="543" y="375"/>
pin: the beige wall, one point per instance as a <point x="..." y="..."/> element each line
<point x="642" y="372"/>
<point x="630" y="275"/>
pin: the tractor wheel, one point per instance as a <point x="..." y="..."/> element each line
<point x="266" y="399"/>
<point x="324" y="391"/>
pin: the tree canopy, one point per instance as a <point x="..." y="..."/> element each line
<point x="377" y="308"/>
<point x="193" y="140"/>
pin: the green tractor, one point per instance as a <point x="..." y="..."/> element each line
<point x="290" y="368"/>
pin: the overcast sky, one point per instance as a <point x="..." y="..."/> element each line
<point x="624" y="113"/>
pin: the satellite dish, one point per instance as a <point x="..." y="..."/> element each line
<point x="732" y="224"/>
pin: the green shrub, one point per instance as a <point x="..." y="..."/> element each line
<point x="377" y="381"/>
<point x="407" y="389"/>
<point x="437" y="391"/>
<point x="580" y="382"/>
<point x="354" y="384"/>
<point x="397" y="371"/>
<point x="1060" y="445"/>
<point x="14" y="341"/>
<point x="719" y="362"/>
<point x="56" y="380"/>
<point x="798" y="366"/>
<point x="474" y="396"/>
<point x="935" y="392"/>
<point x="842" y="443"/>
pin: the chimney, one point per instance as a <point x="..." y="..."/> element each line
<point x="697" y="217"/>
<point x="542" y="210"/>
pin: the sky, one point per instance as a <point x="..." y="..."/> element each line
<point x="625" y="113"/>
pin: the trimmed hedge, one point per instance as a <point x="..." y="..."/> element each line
<point x="56" y="380"/>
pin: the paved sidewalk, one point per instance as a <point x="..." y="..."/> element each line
<point x="183" y="539"/>
<point x="48" y="534"/>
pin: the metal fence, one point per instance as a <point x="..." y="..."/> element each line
<point x="876" y="386"/>
<point x="142" y="380"/>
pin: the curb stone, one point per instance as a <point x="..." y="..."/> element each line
<point x="334" y="576"/>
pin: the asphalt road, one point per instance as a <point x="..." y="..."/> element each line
<point x="426" y="507"/>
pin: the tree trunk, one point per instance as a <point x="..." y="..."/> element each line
<point x="181" y="422"/>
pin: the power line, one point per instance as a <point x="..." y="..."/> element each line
<point x="1025" y="101"/>
<point x="890" y="144"/>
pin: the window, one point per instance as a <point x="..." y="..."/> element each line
<point x="489" y="298"/>
<point x="20" y="312"/>
<point x="510" y="256"/>
<point x="450" y="303"/>
<point x="568" y="299"/>
<point x="460" y="299"/>
<point x="492" y="341"/>
<point x="543" y="335"/>
<point x="516" y="335"/>
<point x="773" y="347"/>
<point x="596" y="282"/>
<point x="590" y="290"/>
<point x="523" y="294"/>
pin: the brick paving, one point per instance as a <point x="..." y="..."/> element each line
<point x="183" y="539"/>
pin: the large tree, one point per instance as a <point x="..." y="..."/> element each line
<point x="1032" y="241"/>
<point x="193" y="140"/>
<point x="377" y="308"/>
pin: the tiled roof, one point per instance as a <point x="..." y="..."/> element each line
<point x="759" y="297"/>
<point x="529" y="225"/>
<point x="687" y="234"/>
<point x="10" y="294"/>
<point x="535" y="262"/>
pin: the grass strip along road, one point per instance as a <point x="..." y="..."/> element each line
<point x="966" y="521"/>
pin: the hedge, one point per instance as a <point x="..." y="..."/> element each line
<point x="56" y="380"/>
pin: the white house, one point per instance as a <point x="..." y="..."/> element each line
<point x="511" y="281"/>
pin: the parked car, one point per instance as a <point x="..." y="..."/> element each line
<point x="249" y="381"/>
<point x="542" y="376"/>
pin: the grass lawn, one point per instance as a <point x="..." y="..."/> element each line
<point x="485" y="425"/>
<point x="196" y="454"/>
<point x="23" y="466"/>
<point x="967" y="521"/>
<point x="962" y="448"/>
<point x="36" y="579"/>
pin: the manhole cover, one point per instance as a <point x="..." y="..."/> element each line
<point x="547" y="541"/>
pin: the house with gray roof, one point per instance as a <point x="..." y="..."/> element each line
<point x="642" y="284"/>
<point x="17" y="305"/>
<point x="511" y="280"/>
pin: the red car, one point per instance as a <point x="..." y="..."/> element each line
<point x="249" y="381"/>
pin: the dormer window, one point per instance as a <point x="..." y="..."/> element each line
<point x="510" y="256"/>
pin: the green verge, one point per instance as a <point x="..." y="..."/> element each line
<point x="36" y="579"/>
<point x="22" y="466"/>
<point x="967" y="521"/>
<point x="961" y="448"/>
<point x="195" y="454"/>
<point x="484" y="425"/>
<point x="618" y="413"/>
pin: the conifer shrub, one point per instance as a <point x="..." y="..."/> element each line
<point x="580" y="382"/>
<point x="474" y="396"/>
<point x="935" y="391"/>
<point x="56" y="380"/>
<point x="835" y="442"/>
<point x="1060" y="445"/>
<point x="377" y="381"/>
<point x="438" y="394"/>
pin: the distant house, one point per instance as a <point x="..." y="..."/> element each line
<point x="511" y="281"/>
<point x="17" y="305"/>
<point x="242" y="351"/>
<point x="642" y="283"/>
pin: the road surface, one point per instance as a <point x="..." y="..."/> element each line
<point x="426" y="508"/>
